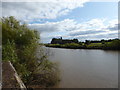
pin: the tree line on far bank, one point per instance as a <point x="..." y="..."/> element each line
<point x="111" y="44"/>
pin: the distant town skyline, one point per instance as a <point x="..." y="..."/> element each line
<point x="84" y="20"/>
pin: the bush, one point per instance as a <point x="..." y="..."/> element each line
<point x="9" y="52"/>
<point x="95" y="46"/>
<point x="72" y="45"/>
<point x="113" y="45"/>
<point x="20" y="46"/>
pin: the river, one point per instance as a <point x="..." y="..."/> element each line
<point x="82" y="68"/>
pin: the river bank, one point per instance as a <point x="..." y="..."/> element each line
<point x="113" y="45"/>
<point x="82" y="48"/>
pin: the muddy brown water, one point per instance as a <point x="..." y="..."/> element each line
<point x="82" y="68"/>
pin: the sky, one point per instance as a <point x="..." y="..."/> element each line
<point x="81" y="19"/>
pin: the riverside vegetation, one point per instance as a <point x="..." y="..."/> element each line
<point x="19" y="45"/>
<point x="111" y="44"/>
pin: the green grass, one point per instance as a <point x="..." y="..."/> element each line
<point x="95" y="45"/>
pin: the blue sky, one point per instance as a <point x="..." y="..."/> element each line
<point x="89" y="11"/>
<point x="81" y="20"/>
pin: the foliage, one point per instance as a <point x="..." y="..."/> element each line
<point x="63" y="41"/>
<point x="72" y="45"/>
<point x="115" y="44"/>
<point x="19" y="46"/>
<point x="9" y="52"/>
<point x="95" y="45"/>
<point x="103" y="44"/>
<point x="67" y="45"/>
<point x="87" y="42"/>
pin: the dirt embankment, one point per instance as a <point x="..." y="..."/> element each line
<point x="10" y="78"/>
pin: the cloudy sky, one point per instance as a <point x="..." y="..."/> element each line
<point x="81" y="19"/>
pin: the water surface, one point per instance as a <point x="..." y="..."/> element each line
<point x="82" y="68"/>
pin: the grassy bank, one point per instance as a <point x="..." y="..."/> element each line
<point x="112" y="45"/>
<point x="19" y="45"/>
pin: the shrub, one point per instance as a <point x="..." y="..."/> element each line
<point x="20" y="46"/>
<point x="114" y="45"/>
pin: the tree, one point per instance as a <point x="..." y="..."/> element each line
<point x="87" y="42"/>
<point x="75" y="40"/>
<point x="103" y="41"/>
<point x="20" y="45"/>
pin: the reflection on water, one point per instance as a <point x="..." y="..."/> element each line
<point x="86" y="68"/>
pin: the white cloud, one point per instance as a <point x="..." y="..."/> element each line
<point x="105" y="0"/>
<point x="112" y="22"/>
<point x="65" y="25"/>
<point x="113" y="25"/>
<point x="69" y="28"/>
<point x="96" y="28"/>
<point x="57" y="0"/>
<point x="40" y="10"/>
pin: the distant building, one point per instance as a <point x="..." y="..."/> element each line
<point x="63" y="41"/>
